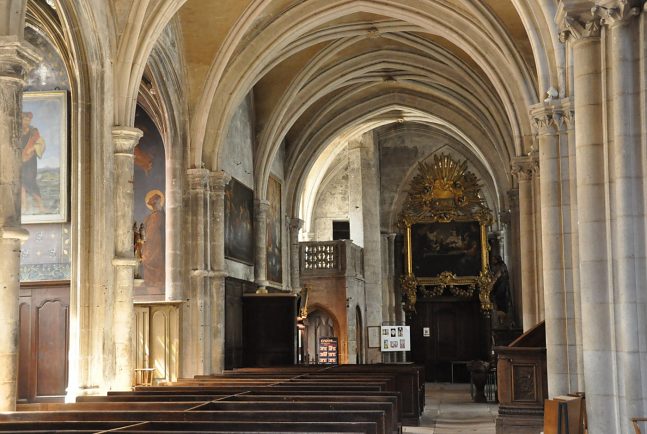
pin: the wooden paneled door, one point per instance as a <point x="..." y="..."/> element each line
<point x="44" y="341"/>
<point x="457" y="333"/>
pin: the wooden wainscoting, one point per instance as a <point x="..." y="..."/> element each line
<point x="157" y="339"/>
<point x="44" y="341"/>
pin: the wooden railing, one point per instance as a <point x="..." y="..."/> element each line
<point x="331" y="258"/>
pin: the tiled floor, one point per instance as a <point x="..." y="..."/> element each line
<point x="449" y="410"/>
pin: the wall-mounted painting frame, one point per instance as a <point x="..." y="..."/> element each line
<point x="274" y="237"/>
<point x="44" y="154"/>
<point x="239" y="222"/>
<point x="445" y="220"/>
<point x="458" y="247"/>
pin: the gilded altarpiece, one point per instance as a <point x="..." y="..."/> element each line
<point x="445" y="220"/>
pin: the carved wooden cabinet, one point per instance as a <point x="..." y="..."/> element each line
<point x="522" y="383"/>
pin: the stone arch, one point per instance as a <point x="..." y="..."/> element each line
<point x="252" y="58"/>
<point x="366" y="116"/>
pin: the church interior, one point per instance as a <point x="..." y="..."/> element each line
<point x="229" y="194"/>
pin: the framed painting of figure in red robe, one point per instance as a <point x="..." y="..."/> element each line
<point x="43" y="152"/>
<point x="149" y="209"/>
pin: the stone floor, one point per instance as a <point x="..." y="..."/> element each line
<point x="449" y="410"/>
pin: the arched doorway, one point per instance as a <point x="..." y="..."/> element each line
<point x="319" y="324"/>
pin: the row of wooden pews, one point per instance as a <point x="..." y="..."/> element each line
<point x="298" y="399"/>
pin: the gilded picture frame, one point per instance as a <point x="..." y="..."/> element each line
<point x="445" y="220"/>
<point x="447" y="253"/>
<point x="44" y="154"/>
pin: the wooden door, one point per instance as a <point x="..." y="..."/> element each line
<point x="44" y="341"/>
<point x="457" y="334"/>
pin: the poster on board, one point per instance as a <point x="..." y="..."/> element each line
<point x="395" y="338"/>
<point x="328" y="351"/>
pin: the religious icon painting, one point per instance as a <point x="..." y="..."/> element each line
<point x="274" y="229"/>
<point x="149" y="209"/>
<point x="239" y="222"/>
<point x="43" y="153"/>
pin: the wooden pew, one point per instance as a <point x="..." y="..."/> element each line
<point x="266" y="417"/>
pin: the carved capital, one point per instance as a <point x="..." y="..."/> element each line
<point x="218" y="181"/>
<point x="525" y="166"/>
<point x="124" y="140"/>
<point x="617" y="12"/>
<point x="296" y="223"/>
<point x="546" y="119"/>
<point x="16" y="58"/>
<point x="577" y="23"/>
<point x="198" y="179"/>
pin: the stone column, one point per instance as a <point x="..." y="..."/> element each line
<point x="524" y="167"/>
<point x="16" y="58"/>
<point x="597" y="340"/>
<point x="295" y="273"/>
<point x="514" y="256"/>
<point x="217" y="181"/>
<point x="575" y="334"/>
<point x="625" y="193"/>
<point x="261" y="206"/>
<point x="546" y="120"/>
<point x="124" y="140"/>
<point x="195" y="334"/>
<point x="391" y="274"/>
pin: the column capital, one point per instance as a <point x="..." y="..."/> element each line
<point x="16" y="57"/>
<point x="615" y="12"/>
<point x="568" y="113"/>
<point x="125" y="139"/>
<point x="218" y="180"/>
<point x="296" y="223"/>
<point x="546" y="118"/>
<point x="525" y="166"/>
<point x="198" y="179"/>
<point x="576" y="20"/>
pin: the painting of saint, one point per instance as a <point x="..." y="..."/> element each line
<point x="274" y="259"/>
<point x="43" y="152"/>
<point x="149" y="223"/>
<point x="454" y="247"/>
<point x="153" y="247"/>
<point x="239" y="212"/>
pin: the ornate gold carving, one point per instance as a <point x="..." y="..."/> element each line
<point x="409" y="291"/>
<point x="443" y="192"/>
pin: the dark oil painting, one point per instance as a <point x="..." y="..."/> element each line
<point x="239" y="226"/>
<point x="274" y="265"/>
<point x="454" y="247"/>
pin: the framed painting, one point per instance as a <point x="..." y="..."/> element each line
<point x="274" y="226"/>
<point x="239" y="222"/>
<point x="43" y="149"/>
<point x="454" y="246"/>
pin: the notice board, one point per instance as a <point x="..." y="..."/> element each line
<point x="395" y="338"/>
<point x="328" y="347"/>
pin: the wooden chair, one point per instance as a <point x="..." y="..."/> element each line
<point x="144" y="376"/>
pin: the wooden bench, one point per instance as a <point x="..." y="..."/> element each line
<point x="294" y="399"/>
<point x="266" y="417"/>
